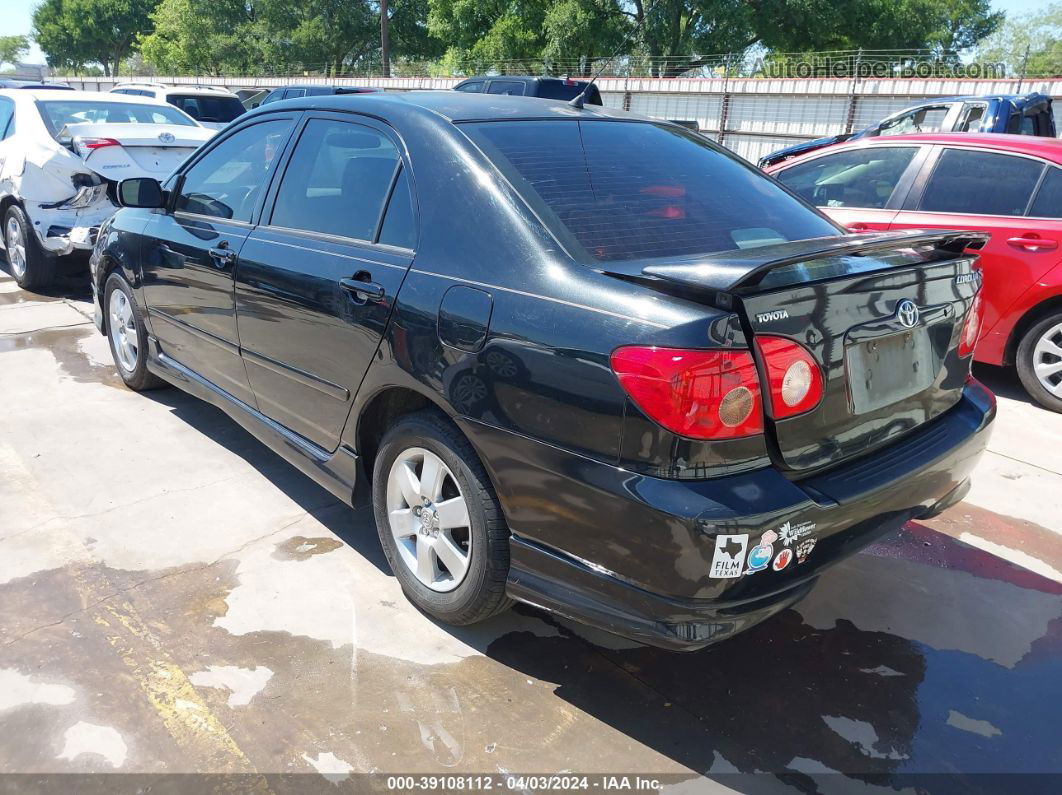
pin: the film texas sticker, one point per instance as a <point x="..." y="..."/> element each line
<point x="729" y="558"/>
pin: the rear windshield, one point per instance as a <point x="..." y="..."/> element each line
<point x="58" y="113"/>
<point x="206" y="108"/>
<point x="638" y="190"/>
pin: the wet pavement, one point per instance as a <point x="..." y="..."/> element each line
<point x="176" y="599"/>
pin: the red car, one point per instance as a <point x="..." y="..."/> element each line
<point x="1009" y="185"/>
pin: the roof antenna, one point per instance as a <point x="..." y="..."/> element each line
<point x="580" y="99"/>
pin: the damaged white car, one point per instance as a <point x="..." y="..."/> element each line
<point x="61" y="157"/>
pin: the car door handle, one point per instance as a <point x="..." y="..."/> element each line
<point x="363" y="288"/>
<point x="221" y="256"/>
<point x="1031" y="243"/>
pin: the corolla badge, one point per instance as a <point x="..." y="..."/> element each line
<point x="167" y="137"/>
<point x="907" y="313"/>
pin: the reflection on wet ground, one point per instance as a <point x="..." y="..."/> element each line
<point x="186" y="601"/>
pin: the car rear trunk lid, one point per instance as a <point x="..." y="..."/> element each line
<point x="882" y="316"/>
<point x="144" y="150"/>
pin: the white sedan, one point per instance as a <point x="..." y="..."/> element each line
<point x="62" y="154"/>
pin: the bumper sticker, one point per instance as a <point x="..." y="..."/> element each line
<point x="791" y="533"/>
<point x="729" y="558"/>
<point x="761" y="554"/>
<point x="782" y="559"/>
<point x="804" y="549"/>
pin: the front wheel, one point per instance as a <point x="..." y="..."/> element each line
<point x="439" y="521"/>
<point x="1040" y="362"/>
<point x="127" y="335"/>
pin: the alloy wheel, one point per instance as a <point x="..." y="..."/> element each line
<point x="122" y="326"/>
<point x="15" y="241"/>
<point x="428" y="516"/>
<point x="1047" y="360"/>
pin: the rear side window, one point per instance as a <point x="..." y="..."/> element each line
<point x="506" y="87"/>
<point x="1048" y="201"/>
<point x="980" y="183"/>
<point x="7" y="115"/>
<point x="863" y="177"/>
<point x="208" y="108"/>
<point x="397" y="229"/>
<point x="337" y="180"/>
<point x="631" y="190"/>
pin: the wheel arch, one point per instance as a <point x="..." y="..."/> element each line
<point x="1032" y="316"/>
<point x="380" y="411"/>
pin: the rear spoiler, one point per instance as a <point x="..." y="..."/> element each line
<point x="731" y="270"/>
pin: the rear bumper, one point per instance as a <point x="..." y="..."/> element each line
<point x="643" y="573"/>
<point x="63" y="229"/>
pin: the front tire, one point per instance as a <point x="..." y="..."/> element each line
<point x="439" y="521"/>
<point x="31" y="266"/>
<point x="127" y="335"/>
<point x="1039" y="362"/>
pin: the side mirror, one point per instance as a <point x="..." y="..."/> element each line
<point x="141" y="192"/>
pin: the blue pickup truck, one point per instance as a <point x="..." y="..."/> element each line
<point x="1027" y="114"/>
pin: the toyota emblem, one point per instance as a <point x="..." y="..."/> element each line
<point x="167" y="137"/>
<point x="907" y="314"/>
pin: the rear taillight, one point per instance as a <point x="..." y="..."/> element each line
<point x="793" y="377"/>
<point x="86" y="145"/>
<point x="695" y="393"/>
<point x="971" y="327"/>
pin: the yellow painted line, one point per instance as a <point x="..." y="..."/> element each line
<point x="187" y="718"/>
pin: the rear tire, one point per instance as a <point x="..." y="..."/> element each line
<point x="31" y="266"/>
<point x="443" y="534"/>
<point x="1039" y="362"/>
<point x="127" y="335"/>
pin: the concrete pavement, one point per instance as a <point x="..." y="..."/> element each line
<point x="174" y="598"/>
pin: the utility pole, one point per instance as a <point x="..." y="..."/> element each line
<point x="385" y="40"/>
<point x="1024" y="66"/>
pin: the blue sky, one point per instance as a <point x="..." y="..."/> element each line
<point x="17" y="15"/>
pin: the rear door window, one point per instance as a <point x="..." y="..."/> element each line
<point x="980" y="183"/>
<point x="1048" y="201"/>
<point x="337" y="180"/>
<point x="864" y="177"/>
<point x="630" y="190"/>
<point x="398" y="228"/>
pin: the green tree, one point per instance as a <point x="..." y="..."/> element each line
<point x="76" y="32"/>
<point x="1037" y="33"/>
<point x="205" y="37"/>
<point x="13" y="48"/>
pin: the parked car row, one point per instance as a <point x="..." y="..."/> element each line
<point x="1009" y="186"/>
<point x="1013" y="114"/>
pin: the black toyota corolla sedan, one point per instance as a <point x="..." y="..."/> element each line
<point x="572" y="357"/>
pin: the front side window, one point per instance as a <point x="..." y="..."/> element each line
<point x="471" y="88"/>
<point x="629" y="190"/>
<point x="923" y="120"/>
<point x="337" y="180"/>
<point x="292" y="93"/>
<point x="227" y="181"/>
<point x="863" y="177"/>
<point x="980" y="183"/>
<point x="58" y="114"/>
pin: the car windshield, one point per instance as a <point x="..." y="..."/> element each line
<point x="61" y="113"/>
<point x="634" y="190"/>
<point x="208" y="108"/>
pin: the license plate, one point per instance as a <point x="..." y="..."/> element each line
<point x="888" y="369"/>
